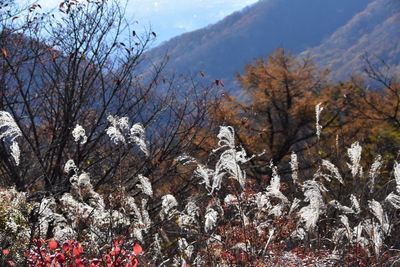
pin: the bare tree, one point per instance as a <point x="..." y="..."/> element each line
<point x="78" y="66"/>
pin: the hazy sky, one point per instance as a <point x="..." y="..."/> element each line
<point x="172" y="17"/>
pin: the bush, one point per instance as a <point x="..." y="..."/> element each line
<point x="226" y="222"/>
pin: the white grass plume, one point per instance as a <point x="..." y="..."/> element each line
<point x="277" y="210"/>
<point x="354" y="153"/>
<point x="185" y="159"/>
<point x="185" y="248"/>
<point x="117" y="126"/>
<point x="310" y="214"/>
<point x="70" y="166"/>
<point x="396" y="171"/>
<point x="355" y="204"/>
<point x="230" y="200"/>
<point x="273" y="190"/>
<point x="345" y="221"/>
<point x="8" y="123"/>
<point x="168" y="203"/>
<point x="192" y="209"/>
<point x="211" y="218"/>
<point x="295" y="205"/>
<point x="145" y="185"/>
<point x="137" y="135"/>
<point x="226" y="137"/>
<point x="377" y="210"/>
<point x="79" y="134"/>
<point x="15" y="152"/>
<point x="119" y="131"/>
<point x="10" y="130"/>
<point x="333" y="170"/>
<point x="376" y="236"/>
<point x="228" y="165"/>
<point x="374" y="172"/>
<point x="318" y="110"/>
<point x="294" y="165"/>
<point x="189" y="218"/>
<point x="336" y="204"/>
<point x="205" y="174"/>
<point x="394" y="200"/>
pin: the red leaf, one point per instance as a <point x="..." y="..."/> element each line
<point x="137" y="249"/>
<point x="53" y="244"/>
<point x="65" y="246"/>
<point x="6" y="252"/>
<point x="77" y="251"/>
<point x="60" y="258"/>
<point x="135" y="263"/>
<point x="79" y="263"/>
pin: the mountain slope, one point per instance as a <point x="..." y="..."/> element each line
<point x="221" y="50"/>
<point x="374" y="32"/>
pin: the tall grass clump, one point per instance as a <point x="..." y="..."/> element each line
<point x="304" y="217"/>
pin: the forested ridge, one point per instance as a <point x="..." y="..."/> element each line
<point x="339" y="35"/>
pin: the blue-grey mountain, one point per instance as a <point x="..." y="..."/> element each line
<point x="336" y="32"/>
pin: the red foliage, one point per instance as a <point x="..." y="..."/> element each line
<point x="137" y="249"/>
<point x="71" y="254"/>
<point x="4" y="258"/>
<point x="53" y="244"/>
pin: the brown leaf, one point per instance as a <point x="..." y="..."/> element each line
<point x="4" y="52"/>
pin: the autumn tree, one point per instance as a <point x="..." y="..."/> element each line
<point x="375" y="101"/>
<point x="277" y="115"/>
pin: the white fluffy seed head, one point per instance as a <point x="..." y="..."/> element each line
<point x="318" y="110"/>
<point x="15" y="152"/>
<point x="397" y="176"/>
<point x="168" y="203"/>
<point x="374" y="172"/>
<point x="137" y="135"/>
<point x="294" y="166"/>
<point x="145" y="185"/>
<point x="79" y="134"/>
<point x="354" y="153"/>
<point x="8" y="127"/>
<point x="70" y="166"/>
<point x="117" y="125"/>
<point x="211" y="218"/>
<point x="226" y="137"/>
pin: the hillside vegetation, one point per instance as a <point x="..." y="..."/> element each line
<point x="105" y="165"/>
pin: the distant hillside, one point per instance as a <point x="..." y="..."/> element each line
<point x="374" y="32"/>
<point x="221" y="50"/>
